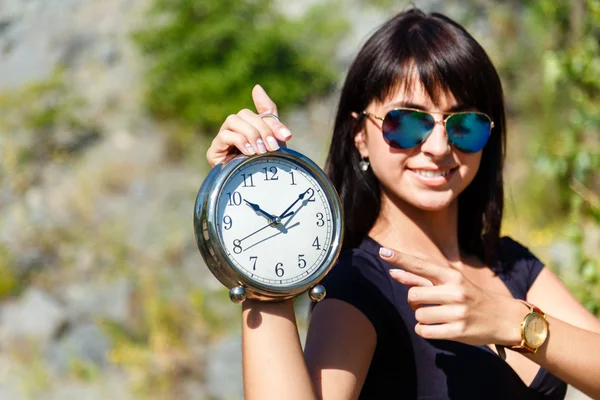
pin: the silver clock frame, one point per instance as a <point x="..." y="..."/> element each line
<point x="213" y="251"/>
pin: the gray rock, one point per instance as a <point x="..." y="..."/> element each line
<point x="113" y="386"/>
<point x="88" y="302"/>
<point x="9" y="380"/>
<point x="36" y="315"/>
<point x="591" y="240"/>
<point x="224" y="369"/>
<point x="563" y="254"/>
<point x="10" y="393"/>
<point x="575" y="394"/>
<point x="4" y="25"/>
<point x="85" y="344"/>
<point x="108" y="53"/>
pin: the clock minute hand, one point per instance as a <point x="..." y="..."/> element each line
<point x="300" y="197"/>
<point x="256" y="231"/>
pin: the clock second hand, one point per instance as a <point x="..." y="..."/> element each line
<point x="272" y="223"/>
<point x="269" y="237"/>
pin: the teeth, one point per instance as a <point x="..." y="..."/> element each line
<point x="431" y="174"/>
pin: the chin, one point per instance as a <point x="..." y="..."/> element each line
<point x="436" y="201"/>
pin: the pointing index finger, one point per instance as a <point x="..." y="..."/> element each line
<point x="266" y="106"/>
<point x="417" y="266"/>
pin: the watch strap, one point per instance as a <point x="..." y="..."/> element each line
<point x="531" y="307"/>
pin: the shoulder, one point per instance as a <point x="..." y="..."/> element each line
<point x="512" y="252"/>
<point x="361" y="279"/>
<point x="511" y="249"/>
<point x="519" y="262"/>
<point x="360" y="266"/>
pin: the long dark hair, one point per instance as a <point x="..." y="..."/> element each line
<point x="447" y="59"/>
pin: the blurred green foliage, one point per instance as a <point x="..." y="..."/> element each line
<point x="41" y="122"/>
<point x="572" y="160"/>
<point x="554" y="88"/>
<point x="205" y="56"/>
<point x="9" y="280"/>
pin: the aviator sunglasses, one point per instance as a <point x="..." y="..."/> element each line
<point x="405" y="128"/>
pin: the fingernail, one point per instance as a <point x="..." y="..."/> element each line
<point x="261" y="146"/>
<point x="385" y="252"/>
<point x="285" y="132"/>
<point x="250" y="149"/>
<point x="396" y="272"/>
<point x="272" y="143"/>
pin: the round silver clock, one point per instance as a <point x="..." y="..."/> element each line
<point x="269" y="226"/>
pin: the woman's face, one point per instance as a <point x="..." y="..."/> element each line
<point x="430" y="176"/>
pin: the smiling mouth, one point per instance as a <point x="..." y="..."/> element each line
<point x="427" y="173"/>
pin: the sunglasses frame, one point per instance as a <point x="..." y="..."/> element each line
<point x="446" y="118"/>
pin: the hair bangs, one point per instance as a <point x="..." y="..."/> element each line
<point x="431" y="54"/>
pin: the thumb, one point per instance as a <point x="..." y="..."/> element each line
<point x="264" y="104"/>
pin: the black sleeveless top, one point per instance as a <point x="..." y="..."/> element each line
<point x="406" y="366"/>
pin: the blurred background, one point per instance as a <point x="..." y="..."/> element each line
<point x="107" y="108"/>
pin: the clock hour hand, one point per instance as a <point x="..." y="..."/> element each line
<point x="257" y="208"/>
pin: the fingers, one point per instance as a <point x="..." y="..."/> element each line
<point x="225" y="144"/>
<point x="432" y="272"/>
<point x="248" y="133"/>
<point x="262" y="135"/>
<point x="440" y="314"/>
<point x="418" y="296"/>
<point x="449" y="331"/>
<point x="264" y="104"/>
<point x="409" y="279"/>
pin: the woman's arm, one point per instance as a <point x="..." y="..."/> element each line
<point x="572" y="350"/>
<point x="465" y="313"/>
<point x="339" y="348"/>
<point x="272" y="358"/>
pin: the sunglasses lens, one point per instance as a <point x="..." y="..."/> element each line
<point x="405" y="129"/>
<point x="468" y="132"/>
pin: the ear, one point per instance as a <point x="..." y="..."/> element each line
<point x="361" y="144"/>
<point x="360" y="138"/>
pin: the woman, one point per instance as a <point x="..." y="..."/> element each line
<point x="426" y="290"/>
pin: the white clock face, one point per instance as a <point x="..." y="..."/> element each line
<point x="275" y="221"/>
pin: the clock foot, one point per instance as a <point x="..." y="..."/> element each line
<point x="317" y="293"/>
<point x="237" y="294"/>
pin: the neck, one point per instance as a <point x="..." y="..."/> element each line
<point x="426" y="234"/>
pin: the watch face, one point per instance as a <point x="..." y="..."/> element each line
<point x="535" y="329"/>
<point x="274" y="221"/>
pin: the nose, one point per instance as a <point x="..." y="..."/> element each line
<point x="437" y="145"/>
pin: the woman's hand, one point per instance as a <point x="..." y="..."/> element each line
<point x="247" y="133"/>
<point x="449" y="306"/>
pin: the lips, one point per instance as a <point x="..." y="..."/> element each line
<point x="431" y="174"/>
<point x="433" y="177"/>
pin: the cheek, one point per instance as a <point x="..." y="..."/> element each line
<point x="469" y="165"/>
<point x="387" y="163"/>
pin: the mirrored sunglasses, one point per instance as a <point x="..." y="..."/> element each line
<point x="405" y="128"/>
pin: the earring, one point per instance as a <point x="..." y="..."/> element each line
<point x="364" y="164"/>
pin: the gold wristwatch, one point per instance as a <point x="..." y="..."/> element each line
<point x="534" y="330"/>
